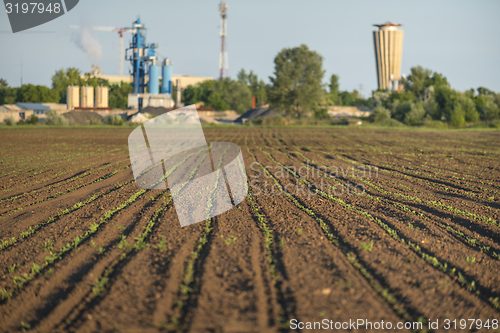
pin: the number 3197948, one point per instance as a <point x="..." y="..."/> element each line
<point x="32" y="7"/>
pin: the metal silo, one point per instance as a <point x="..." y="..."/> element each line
<point x="87" y="97"/>
<point x="101" y="97"/>
<point x="166" y="81"/>
<point x="154" y="79"/>
<point x="73" y="97"/>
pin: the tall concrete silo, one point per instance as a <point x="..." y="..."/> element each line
<point x="87" y="97"/>
<point x="101" y="97"/>
<point x="73" y="97"/>
<point x="388" y="40"/>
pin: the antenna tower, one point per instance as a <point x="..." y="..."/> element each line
<point x="223" y="61"/>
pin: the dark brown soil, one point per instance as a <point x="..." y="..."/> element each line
<point x="416" y="239"/>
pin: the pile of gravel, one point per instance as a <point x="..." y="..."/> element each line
<point x="82" y="117"/>
<point x="150" y="110"/>
<point x="260" y="111"/>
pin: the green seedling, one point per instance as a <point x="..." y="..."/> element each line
<point x="495" y="301"/>
<point x="5" y="294"/>
<point x="162" y="245"/>
<point x="12" y="268"/>
<point x="100" y="250"/>
<point x="99" y="285"/>
<point x="229" y="240"/>
<point x="25" y="326"/>
<point x="35" y="269"/>
<point x="471" y="260"/>
<point x="367" y="246"/>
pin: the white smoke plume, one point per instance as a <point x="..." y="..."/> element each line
<point x="88" y="43"/>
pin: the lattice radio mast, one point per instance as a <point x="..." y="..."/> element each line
<point x="223" y="61"/>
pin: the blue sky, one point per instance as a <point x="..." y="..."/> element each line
<point x="457" y="38"/>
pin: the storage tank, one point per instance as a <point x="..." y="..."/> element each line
<point x="87" y="97"/>
<point x="101" y="97"/>
<point x="166" y="81"/>
<point x="73" y="97"/>
<point x="154" y="79"/>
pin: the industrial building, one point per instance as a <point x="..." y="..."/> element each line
<point x="146" y="74"/>
<point x="184" y="80"/>
<point x="22" y="111"/>
<point x="388" y="42"/>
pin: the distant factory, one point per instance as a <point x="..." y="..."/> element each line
<point x="184" y="80"/>
<point x="146" y="72"/>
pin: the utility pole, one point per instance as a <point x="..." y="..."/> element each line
<point x="223" y="60"/>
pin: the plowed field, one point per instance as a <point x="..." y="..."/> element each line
<point x="338" y="226"/>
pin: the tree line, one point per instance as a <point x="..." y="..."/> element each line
<point x="297" y="89"/>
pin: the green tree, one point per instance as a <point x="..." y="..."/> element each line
<point x="334" y="89"/>
<point x="64" y="78"/>
<point x="396" y="98"/>
<point x="379" y="97"/>
<point x="197" y="93"/>
<point x="30" y="93"/>
<point x="457" y="116"/>
<point x="7" y="95"/>
<point x="118" y="95"/>
<point x="480" y="102"/>
<point x="257" y="87"/>
<point x="217" y="93"/>
<point x="238" y="96"/>
<point x="32" y="120"/>
<point x="380" y="114"/>
<point x="490" y="110"/>
<point x="399" y="110"/>
<point x="416" y="114"/>
<point x="447" y="99"/>
<point x="297" y="83"/>
<point x="53" y="118"/>
<point x="93" y="81"/>
<point x="432" y="108"/>
<point x="484" y="91"/>
<point x="417" y="80"/>
<point x="469" y="108"/>
<point x="437" y="80"/>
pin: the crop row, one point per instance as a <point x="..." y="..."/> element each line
<point x="58" y="184"/>
<point x="22" y="168"/>
<point x="431" y="175"/>
<point x="32" y="230"/>
<point x="58" y="194"/>
<point x="424" y="255"/>
<point x="19" y="281"/>
<point x="447" y="228"/>
<point x="344" y="246"/>
<point x="431" y="202"/>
